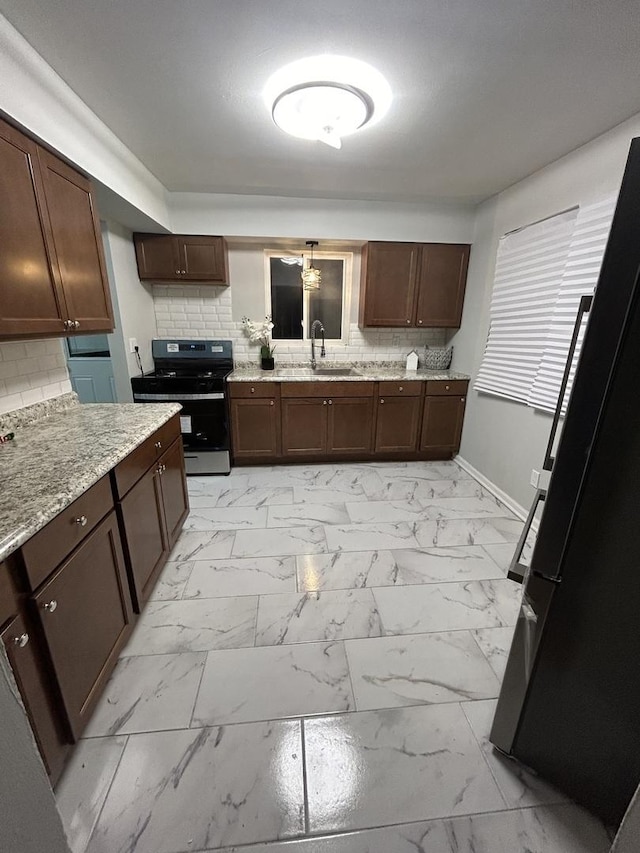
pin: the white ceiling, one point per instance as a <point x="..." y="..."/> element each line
<point x="485" y="91"/>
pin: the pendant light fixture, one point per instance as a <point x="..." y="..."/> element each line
<point x="311" y="276"/>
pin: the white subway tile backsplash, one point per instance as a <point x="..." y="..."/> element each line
<point x="31" y="371"/>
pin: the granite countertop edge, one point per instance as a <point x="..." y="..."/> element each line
<point x="364" y="374"/>
<point x="23" y="512"/>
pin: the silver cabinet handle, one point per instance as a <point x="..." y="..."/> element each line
<point x="21" y="641"/>
<point x="50" y="606"/>
<point x="271" y="403"/>
<point x="408" y="322"/>
<point x="446" y="387"/>
<point x="184" y="272"/>
<point x="331" y="402"/>
<point x="419" y="322"/>
<point x="253" y="390"/>
<point x="161" y="468"/>
<point x="400" y="388"/>
<point x="324" y="402"/>
<point x="82" y="520"/>
<point x="76" y="324"/>
<point x="68" y="324"/>
<point x="462" y="399"/>
<point x="177" y="272"/>
<point x="381" y="402"/>
<point x="158" y="445"/>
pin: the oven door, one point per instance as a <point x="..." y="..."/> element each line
<point x="204" y="424"/>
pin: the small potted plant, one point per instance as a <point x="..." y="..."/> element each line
<point x="260" y="333"/>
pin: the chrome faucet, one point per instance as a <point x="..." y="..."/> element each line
<point x="315" y="327"/>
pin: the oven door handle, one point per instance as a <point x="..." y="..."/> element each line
<point x="176" y="398"/>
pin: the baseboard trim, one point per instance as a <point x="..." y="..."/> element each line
<point x="497" y="492"/>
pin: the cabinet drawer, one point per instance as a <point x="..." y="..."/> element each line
<point x="138" y="462"/>
<point x="8" y="607"/>
<point x="327" y="389"/>
<point x="437" y="387"/>
<point x="255" y="389"/>
<point x="48" y="548"/>
<point x="400" y="389"/>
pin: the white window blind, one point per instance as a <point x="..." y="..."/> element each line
<point x="529" y="269"/>
<point x="580" y="277"/>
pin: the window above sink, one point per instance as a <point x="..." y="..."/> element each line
<point x="293" y="309"/>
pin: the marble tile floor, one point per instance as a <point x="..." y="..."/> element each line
<point x="316" y="672"/>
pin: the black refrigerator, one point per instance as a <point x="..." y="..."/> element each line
<point x="569" y="707"/>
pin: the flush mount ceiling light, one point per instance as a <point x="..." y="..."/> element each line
<point x="311" y="276"/>
<point x="326" y="98"/>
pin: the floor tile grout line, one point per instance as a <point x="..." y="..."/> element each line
<point x="484" y="757"/>
<point x="197" y="696"/>
<point x="353" y="690"/>
<point x="305" y="785"/>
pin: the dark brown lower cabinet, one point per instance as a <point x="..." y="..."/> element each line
<point x="350" y="425"/>
<point x="85" y="613"/>
<point x="152" y="515"/>
<point x="175" y="498"/>
<point x="25" y="656"/>
<point x="255" y="427"/>
<point x="442" y="424"/>
<point x="145" y="537"/>
<point x="304" y="426"/>
<point x="398" y="424"/>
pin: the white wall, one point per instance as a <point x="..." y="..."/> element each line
<point x="505" y="440"/>
<point x="135" y="315"/>
<point x="319" y="219"/>
<point x="31" y="371"/>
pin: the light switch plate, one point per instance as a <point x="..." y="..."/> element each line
<point x="535" y="478"/>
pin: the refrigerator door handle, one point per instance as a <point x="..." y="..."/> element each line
<point x="584" y="308"/>
<point x="518" y="571"/>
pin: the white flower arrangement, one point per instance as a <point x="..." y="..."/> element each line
<point x="259" y="333"/>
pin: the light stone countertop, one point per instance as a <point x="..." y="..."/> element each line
<point x="368" y="372"/>
<point x="53" y="461"/>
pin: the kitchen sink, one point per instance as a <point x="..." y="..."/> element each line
<point x="309" y="372"/>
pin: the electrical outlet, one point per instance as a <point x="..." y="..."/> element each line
<point x="535" y="478"/>
<point x="133" y="343"/>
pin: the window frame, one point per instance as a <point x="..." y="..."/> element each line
<point x="347" y="281"/>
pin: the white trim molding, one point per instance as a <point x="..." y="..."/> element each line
<point x="503" y="497"/>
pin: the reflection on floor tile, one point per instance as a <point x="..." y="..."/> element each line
<point x="169" y="627"/>
<point x="363" y="537"/>
<point x="272" y="682"/>
<point x="147" y="694"/>
<point x="226" y="518"/>
<point x="518" y="786"/>
<point x="279" y="541"/>
<point x="373" y="768"/>
<point x="81" y="792"/>
<point x="308" y="617"/>
<point x="308" y="514"/>
<point x="204" y="788"/>
<point x="422" y="837"/>
<point x="495" y="644"/>
<point x="419" y="669"/>
<point x="251" y="576"/>
<point x="436" y="607"/>
<point x="550" y="829"/>
<point x="172" y="581"/>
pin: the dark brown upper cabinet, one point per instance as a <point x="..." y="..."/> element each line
<point x="413" y="284"/>
<point x="178" y="257"/>
<point x="52" y="274"/>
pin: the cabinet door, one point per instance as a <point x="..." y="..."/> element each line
<point x="255" y="428"/>
<point x="388" y="284"/>
<point x="442" y="424"/>
<point x="157" y="257"/>
<point x="146" y="541"/>
<point x="442" y="282"/>
<point x="85" y="612"/>
<point x="31" y="301"/>
<point x="174" y="490"/>
<point x="350" y="428"/>
<point x="37" y="694"/>
<point x="77" y="244"/>
<point x="398" y="424"/>
<point x="304" y="426"/>
<point x="202" y="259"/>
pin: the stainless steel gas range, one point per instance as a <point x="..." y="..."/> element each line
<point x="193" y="373"/>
